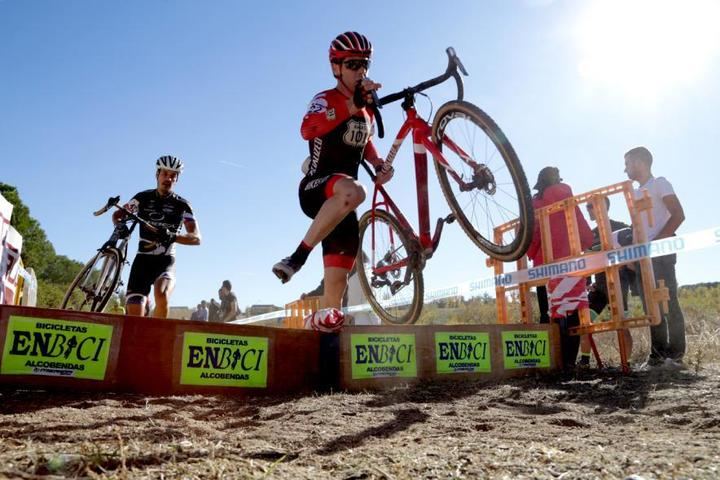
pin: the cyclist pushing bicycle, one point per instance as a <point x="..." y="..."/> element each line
<point x="338" y="127"/>
<point x="154" y="264"/>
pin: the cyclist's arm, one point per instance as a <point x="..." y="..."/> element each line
<point x="192" y="234"/>
<point x="131" y="206"/>
<point x="371" y="155"/>
<point x="323" y="116"/>
<point x="677" y="216"/>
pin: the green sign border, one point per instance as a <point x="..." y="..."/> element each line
<point x="193" y="376"/>
<point x="92" y="369"/>
<point x="397" y="369"/>
<point x="527" y="361"/>
<point x="443" y="366"/>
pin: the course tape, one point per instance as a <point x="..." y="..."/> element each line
<point x="575" y="267"/>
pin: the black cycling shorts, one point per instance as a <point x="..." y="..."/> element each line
<point x="146" y="269"/>
<point x="341" y="245"/>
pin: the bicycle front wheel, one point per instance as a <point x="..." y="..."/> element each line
<point x="387" y="269"/>
<point x="94" y="285"/>
<point x="486" y="187"/>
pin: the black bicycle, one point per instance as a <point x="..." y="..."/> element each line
<point x="100" y="277"/>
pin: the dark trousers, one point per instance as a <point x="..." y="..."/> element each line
<point x="667" y="338"/>
<point x="569" y="344"/>
<point x="598" y="297"/>
<point x="543" y="304"/>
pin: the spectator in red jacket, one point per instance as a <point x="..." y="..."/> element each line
<point x="567" y="294"/>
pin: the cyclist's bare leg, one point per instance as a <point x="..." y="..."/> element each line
<point x="163" y="288"/>
<point x="137" y="309"/>
<point x="335" y="284"/>
<point x="348" y="194"/>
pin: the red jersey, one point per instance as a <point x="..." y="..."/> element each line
<point x="337" y="140"/>
<point x="558" y="227"/>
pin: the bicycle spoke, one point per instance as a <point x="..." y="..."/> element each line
<point x="95" y="283"/>
<point x="493" y="190"/>
<point x="390" y="281"/>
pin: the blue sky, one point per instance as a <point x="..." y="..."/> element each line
<point x="91" y="93"/>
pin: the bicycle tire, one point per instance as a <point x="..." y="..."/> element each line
<point x="84" y="293"/>
<point x="398" y="313"/>
<point x="521" y="201"/>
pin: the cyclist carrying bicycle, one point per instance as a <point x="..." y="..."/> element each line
<point x="154" y="264"/>
<point x="338" y="127"/>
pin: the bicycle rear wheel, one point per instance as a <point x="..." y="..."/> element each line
<point x="387" y="269"/>
<point x="94" y="285"/>
<point x="490" y="189"/>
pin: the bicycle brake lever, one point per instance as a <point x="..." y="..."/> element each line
<point x="111" y="202"/>
<point x="456" y="60"/>
<point x="376" y="100"/>
<point x="376" y="109"/>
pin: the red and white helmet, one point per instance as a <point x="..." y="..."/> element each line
<point x="328" y="320"/>
<point x="350" y="44"/>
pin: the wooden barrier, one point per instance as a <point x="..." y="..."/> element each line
<point x="87" y="351"/>
<point x="380" y="357"/>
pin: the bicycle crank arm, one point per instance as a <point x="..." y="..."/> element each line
<point x="438" y="232"/>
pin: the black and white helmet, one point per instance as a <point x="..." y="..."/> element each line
<point x="168" y="162"/>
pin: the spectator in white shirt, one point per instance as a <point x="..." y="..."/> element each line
<point x="667" y="338"/>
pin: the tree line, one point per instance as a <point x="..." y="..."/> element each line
<point x="54" y="272"/>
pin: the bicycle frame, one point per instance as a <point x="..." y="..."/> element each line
<point x="116" y="241"/>
<point x="121" y="243"/>
<point x="427" y="243"/>
<point x="101" y="275"/>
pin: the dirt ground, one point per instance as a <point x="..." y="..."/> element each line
<point x="656" y="424"/>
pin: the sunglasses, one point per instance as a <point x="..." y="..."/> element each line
<point x="355" y="65"/>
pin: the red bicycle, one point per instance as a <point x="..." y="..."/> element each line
<point x="481" y="178"/>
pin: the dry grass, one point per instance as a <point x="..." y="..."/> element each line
<point x="700" y="305"/>
<point x="601" y="424"/>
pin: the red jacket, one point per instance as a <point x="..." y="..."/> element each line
<point x="558" y="228"/>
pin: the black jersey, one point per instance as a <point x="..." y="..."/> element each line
<point x="166" y="212"/>
<point x="337" y="140"/>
